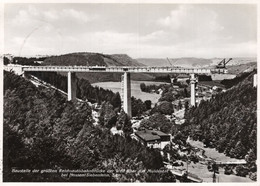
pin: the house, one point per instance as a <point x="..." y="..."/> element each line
<point x="153" y="138"/>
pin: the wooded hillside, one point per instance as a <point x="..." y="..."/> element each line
<point x="228" y="121"/>
<point x="44" y="131"/>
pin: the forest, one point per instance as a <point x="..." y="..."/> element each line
<point x="228" y="122"/>
<point x="42" y="130"/>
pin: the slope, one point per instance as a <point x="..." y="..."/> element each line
<point x="44" y="131"/>
<point x="91" y="59"/>
<point x="228" y="121"/>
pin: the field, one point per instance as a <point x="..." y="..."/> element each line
<point x="135" y="89"/>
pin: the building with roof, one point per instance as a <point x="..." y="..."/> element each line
<point x="153" y="138"/>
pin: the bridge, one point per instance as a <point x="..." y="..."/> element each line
<point x="125" y="70"/>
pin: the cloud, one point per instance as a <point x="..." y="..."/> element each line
<point x="33" y="16"/>
<point x="174" y="19"/>
<point x="193" y="21"/>
<point x="172" y="31"/>
<point x="76" y="15"/>
<point x="50" y="15"/>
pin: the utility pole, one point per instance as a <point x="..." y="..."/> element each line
<point x="187" y="167"/>
<point x="214" y="177"/>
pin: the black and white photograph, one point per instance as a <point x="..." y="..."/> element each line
<point x="129" y="92"/>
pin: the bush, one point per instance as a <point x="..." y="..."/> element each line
<point x="157" y="121"/>
<point x="165" y="107"/>
<point x="241" y="171"/>
<point x="148" y="104"/>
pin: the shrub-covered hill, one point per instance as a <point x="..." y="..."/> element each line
<point x="44" y="131"/>
<point x="228" y="121"/>
<point x="91" y="59"/>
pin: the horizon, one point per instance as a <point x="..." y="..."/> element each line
<point x="50" y="55"/>
<point x="138" y="30"/>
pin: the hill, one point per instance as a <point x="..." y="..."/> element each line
<point x="235" y="60"/>
<point x="44" y="131"/>
<point x="182" y="62"/>
<point x="228" y="121"/>
<point x="91" y="59"/>
<point x="235" y="66"/>
<point x="241" y="68"/>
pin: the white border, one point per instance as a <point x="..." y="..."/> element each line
<point x="129" y="2"/>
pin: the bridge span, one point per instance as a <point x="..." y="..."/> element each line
<point x="122" y="69"/>
<point x="125" y="70"/>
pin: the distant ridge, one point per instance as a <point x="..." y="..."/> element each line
<point x="192" y="62"/>
<point x="92" y="59"/>
<point x="189" y="62"/>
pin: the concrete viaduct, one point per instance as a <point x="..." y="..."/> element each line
<point x="126" y="70"/>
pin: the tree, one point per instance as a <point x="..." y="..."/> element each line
<point x="107" y="116"/>
<point x="238" y="151"/>
<point x="167" y="96"/>
<point x="228" y="170"/>
<point x="157" y="121"/>
<point x="186" y="105"/>
<point x="186" y="93"/>
<point x="124" y="123"/>
<point x="179" y="105"/>
<point x="6" y="61"/>
<point x="116" y="100"/>
<point x="165" y="107"/>
<point x="138" y="107"/>
<point x="143" y="87"/>
<point x="180" y="138"/>
<point x="148" y="104"/>
<point x="241" y="171"/>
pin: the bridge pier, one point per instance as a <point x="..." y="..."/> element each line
<point x="72" y="86"/>
<point x="127" y="106"/>
<point x="192" y="92"/>
<point x="25" y="74"/>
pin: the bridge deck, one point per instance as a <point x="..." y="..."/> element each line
<point x="120" y="69"/>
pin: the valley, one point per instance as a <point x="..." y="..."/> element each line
<point x="158" y="107"/>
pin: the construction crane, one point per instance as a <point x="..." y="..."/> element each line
<point x="169" y="61"/>
<point x="222" y="64"/>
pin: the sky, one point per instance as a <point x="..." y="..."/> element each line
<point x="139" y="30"/>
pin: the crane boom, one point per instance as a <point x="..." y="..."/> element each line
<point x="222" y="63"/>
<point x="228" y="60"/>
<point x="169" y="61"/>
